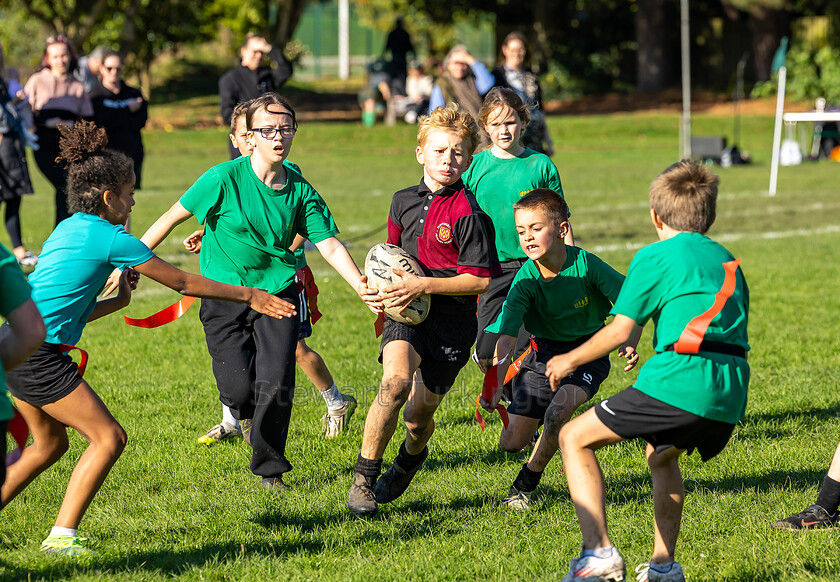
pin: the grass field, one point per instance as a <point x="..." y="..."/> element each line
<point x="172" y="509"/>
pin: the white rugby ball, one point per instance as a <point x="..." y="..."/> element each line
<point x="379" y="265"/>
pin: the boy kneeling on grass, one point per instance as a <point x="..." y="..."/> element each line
<point x="688" y="396"/>
<point x="440" y="223"/>
<point x="562" y="295"/>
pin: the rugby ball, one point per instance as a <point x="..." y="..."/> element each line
<point x="379" y="265"/>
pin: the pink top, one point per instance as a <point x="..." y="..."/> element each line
<point x="46" y="91"/>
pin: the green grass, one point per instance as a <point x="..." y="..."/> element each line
<point x="171" y="509"/>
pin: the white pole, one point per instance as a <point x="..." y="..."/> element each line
<point x="344" y="39"/>
<point x="685" y="125"/>
<point x="777" y="132"/>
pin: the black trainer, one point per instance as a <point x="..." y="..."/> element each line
<point x="362" y="500"/>
<point x="812" y="517"/>
<point x="396" y="479"/>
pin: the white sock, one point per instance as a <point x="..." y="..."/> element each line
<point x="63" y="531"/>
<point x="227" y="417"/>
<point x="332" y="397"/>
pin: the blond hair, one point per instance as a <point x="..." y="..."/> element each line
<point x="450" y="118"/>
<point x="684" y="196"/>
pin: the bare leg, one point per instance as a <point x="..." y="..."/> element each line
<point x="519" y="432"/>
<point x="563" y="406"/>
<point x="668" y="498"/>
<point x="419" y="416"/>
<point x="313" y="366"/>
<point x="578" y="441"/>
<point x="83" y="411"/>
<point x="399" y="362"/>
<point x="834" y="469"/>
<point x="49" y="443"/>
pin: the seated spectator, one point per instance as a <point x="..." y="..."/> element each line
<point x="418" y="89"/>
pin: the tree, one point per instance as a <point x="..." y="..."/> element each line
<point x="768" y="21"/>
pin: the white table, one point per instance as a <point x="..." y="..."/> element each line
<point x="812" y="116"/>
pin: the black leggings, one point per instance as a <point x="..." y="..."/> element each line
<point x="13" y="221"/>
<point x="55" y="173"/>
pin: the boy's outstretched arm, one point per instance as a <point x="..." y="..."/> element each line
<point x="164" y="225"/>
<point x="617" y="333"/>
<point x="337" y="256"/>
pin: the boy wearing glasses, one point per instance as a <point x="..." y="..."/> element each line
<point x="253" y="207"/>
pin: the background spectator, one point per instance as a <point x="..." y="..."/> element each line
<point x="249" y="79"/>
<point x="14" y="173"/>
<point x="464" y="81"/>
<point x="513" y="75"/>
<point x="399" y="45"/>
<point x="56" y="98"/>
<point x="88" y="69"/>
<point x="418" y="89"/>
<point x="121" y="110"/>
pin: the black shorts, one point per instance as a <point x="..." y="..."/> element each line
<point x="304" y="316"/>
<point x="532" y="393"/>
<point x="443" y="341"/>
<point x="489" y="308"/>
<point x="633" y="414"/>
<point x="47" y="376"/>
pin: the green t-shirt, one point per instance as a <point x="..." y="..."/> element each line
<point x="672" y="282"/>
<point x="499" y="183"/>
<point x="566" y="307"/>
<point x="250" y="227"/>
<point x="14" y="292"/>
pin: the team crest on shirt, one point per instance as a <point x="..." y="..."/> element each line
<point x="444" y="233"/>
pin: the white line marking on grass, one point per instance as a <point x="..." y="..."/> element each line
<point x="732" y="237"/>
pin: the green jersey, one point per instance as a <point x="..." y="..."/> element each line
<point x="674" y="282"/>
<point x="499" y="183"/>
<point x="14" y="292"/>
<point x="250" y="227"/>
<point x="572" y="304"/>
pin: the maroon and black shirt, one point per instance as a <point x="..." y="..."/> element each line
<point x="447" y="232"/>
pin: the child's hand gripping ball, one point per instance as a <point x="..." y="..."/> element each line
<point x="379" y="269"/>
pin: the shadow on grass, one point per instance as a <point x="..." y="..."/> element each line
<point x="160" y="563"/>
<point x="775" y="424"/>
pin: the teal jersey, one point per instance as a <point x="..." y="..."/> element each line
<point x="571" y="305"/>
<point x="250" y="227"/>
<point x="73" y="267"/>
<point x="499" y="183"/>
<point x="674" y="282"/>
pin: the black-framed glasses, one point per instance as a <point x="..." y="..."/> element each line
<point x="271" y="132"/>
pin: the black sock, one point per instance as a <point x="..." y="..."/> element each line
<point x="370" y="468"/>
<point x="829" y="497"/>
<point x="527" y="480"/>
<point x="408" y="461"/>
